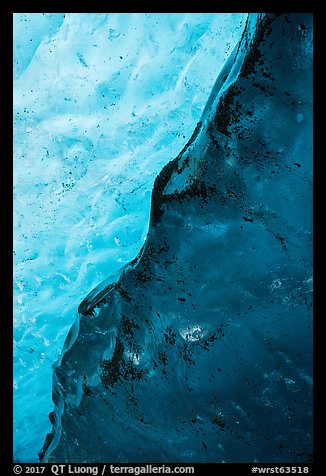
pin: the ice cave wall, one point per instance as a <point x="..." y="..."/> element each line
<point x="201" y="349"/>
<point x="101" y="103"/>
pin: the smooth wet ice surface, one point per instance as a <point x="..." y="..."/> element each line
<point x="200" y="349"/>
<point x="101" y="103"/>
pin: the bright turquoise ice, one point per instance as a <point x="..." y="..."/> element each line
<point x="101" y="103"/>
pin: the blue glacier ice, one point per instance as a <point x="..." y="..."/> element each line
<point x="101" y="103"/>
<point x="199" y="349"/>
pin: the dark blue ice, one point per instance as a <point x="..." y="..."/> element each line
<point x="200" y="350"/>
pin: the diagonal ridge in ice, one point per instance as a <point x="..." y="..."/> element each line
<point x="91" y="132"/>
<point x="196" y="354"/>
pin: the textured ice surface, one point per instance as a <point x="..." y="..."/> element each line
<point x="201" y="349"/>
<point x="101" y="103"/>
